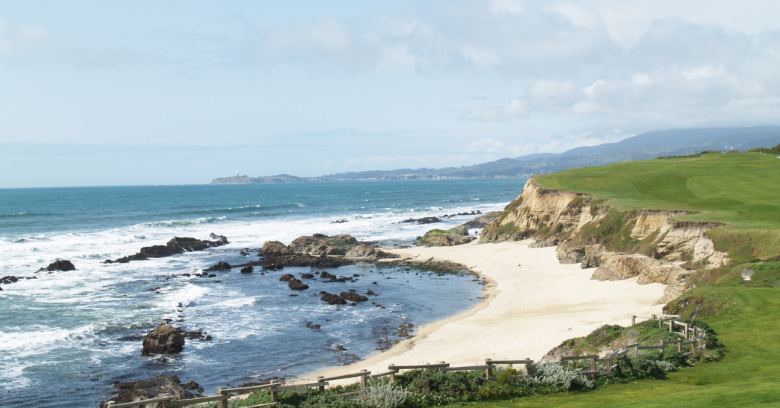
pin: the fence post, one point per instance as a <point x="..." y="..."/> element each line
<point x="686" y="331"/>
<point x="671" y="326"/>
<point x="224" y="402"/>
<point x="633" y="320"/>
<point x="660" y="322"/>
<point x="274" y="393"/>
<point x="363" y="379"/>
<point x="319" y="380"/>
<point x="636" y="350"/>
<point x="489" y="370"/>
<point x="110" y="404"/>
<point x="391" y="367"/>
<point x="593" y="367"/>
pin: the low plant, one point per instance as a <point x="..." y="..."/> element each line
<point x="382" y="394"/>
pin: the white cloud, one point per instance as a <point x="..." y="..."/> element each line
<point x="21" y="39"/>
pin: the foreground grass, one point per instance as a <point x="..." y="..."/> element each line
<point x="749" y="375"/>
<point x="741" y="190"/>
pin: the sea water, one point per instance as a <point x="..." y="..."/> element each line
<point x="66" y="337"/>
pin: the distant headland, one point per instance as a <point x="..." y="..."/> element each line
<point x="664" y="143"/>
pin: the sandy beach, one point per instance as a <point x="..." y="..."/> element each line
<point x="532" y="304"/>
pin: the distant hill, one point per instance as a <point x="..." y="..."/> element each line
<point x="644" y="146"/>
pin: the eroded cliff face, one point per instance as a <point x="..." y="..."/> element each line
<point x="649" y="244"/>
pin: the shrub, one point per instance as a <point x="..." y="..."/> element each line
<point x="382" y="394"/>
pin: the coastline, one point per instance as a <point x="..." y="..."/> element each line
<point x="532" y="304"/>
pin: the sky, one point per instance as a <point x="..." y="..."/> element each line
<point x="181" y="92"/>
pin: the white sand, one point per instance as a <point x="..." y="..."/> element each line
<point x="533" y="304"/>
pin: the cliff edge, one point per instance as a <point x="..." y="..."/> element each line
<point x="649" y="244"/>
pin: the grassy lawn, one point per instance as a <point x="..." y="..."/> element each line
<point x="739" y="189"/>
<point x="748" y="376"/>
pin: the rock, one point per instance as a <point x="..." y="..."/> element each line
<point x="326" y="275"/>
<point x="175" y="246"/>
<point x="483" y="220"/>
<point x="295" y="284"/>
<point x="222" y="266"/>
<point x="370" y="292"/>
<point x="274" y="248"/>
<point x="150" y="388"/>
<point x="424" y="220"/>
<point x="164" y="339"/>
<point x="437" y="237"/>
<point x="247" y="269"/>
<point x="367" y="251"/>
<point x="307" y="276"/>
<point x="341" y="221"/>
<point x="333" y="299"/>
<point x="62" y="265"/>
<point x="7" y="280"/>
<point x="197" y="335"/>
<point x="286" y="277"/>
<point x="192" y="385"/>
<point x="353" y="297"/>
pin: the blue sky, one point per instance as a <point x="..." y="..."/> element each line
<point x="176" y="92"/>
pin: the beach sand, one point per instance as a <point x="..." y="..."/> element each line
<point x="532" y="305"/>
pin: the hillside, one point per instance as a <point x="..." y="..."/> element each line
<point x="641" y="147"/>
<point x="706" y="226"/>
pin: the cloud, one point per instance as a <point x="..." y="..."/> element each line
<point x="22" y="39"/>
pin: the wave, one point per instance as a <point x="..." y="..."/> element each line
<point x="177" y="223"/>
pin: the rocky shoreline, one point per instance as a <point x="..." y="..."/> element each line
<point x="315" y="251"/>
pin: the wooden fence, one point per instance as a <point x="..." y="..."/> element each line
<point x="692" y="336"/>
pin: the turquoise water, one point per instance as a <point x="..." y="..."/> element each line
<point x="68" y="336"/>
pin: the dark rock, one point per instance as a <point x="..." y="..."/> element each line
<point x="61" y="265"/>
<point x="247" y="269"/>
<point x="244" y="253"/>
<point x="192" y="385"/>
<point x="222" y="266"/>
<point x="164" y="339"/>
<point x="286" y="277"/>
<point x="175" y="246"/>
<point x="150" y="388"/>
<point x="342" y="221"/>
<point x="370" y="292"/>
<point x="295" y="284"/>
<point x="424" y="220"/>
<point x="333" y="299"/>
<point x="7" y="280"/>
<point x="212" y="276"/>
<point x="197" y="335"/>
<point x="353" y="297"/>
<point x="315" y="327"/>
<point x="274" y="248"/>
<point x="326" y="275"/>
<point x="307" y="276"/>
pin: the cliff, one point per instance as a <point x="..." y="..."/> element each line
<point x="649" y="244"/>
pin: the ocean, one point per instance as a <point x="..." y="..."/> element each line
<point x="66" y="337"/>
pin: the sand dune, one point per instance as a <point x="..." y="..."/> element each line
<point x="532" y="304"/>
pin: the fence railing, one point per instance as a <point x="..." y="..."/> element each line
<point x="692" y="336"/>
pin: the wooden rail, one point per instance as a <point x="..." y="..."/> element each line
<point x="692" y="336"/>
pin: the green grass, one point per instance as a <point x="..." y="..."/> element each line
<point x="741" y="190"/>
<point x="748" y="376"/>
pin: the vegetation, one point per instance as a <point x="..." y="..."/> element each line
<point x="771" y="150"/>
<point x="741" y="190"/>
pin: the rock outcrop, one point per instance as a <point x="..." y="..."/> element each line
<point x="61" y="265"/>
<point x="154" y="387"/>
<point x="175" y="246"/>
<point x="164" y="339"/>
<point x="621" y="244"/>
<point x="456" y="236"/>
<point x="222" y="266"/>
<point x="483" y="220"/>
<point x="320" y="250"/>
